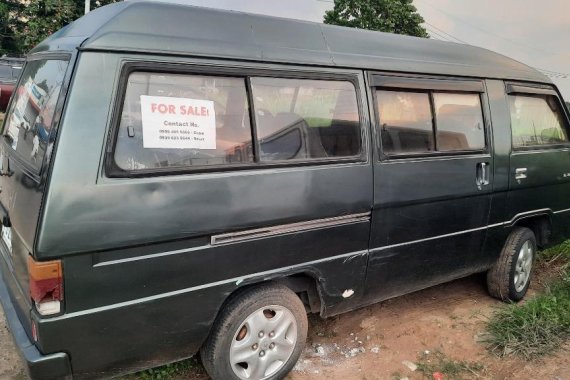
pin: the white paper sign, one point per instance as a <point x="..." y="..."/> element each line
<point x="178" y="123"/>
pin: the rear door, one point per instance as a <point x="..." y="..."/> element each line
<point x="26" y="138"/>
<point x="432" y="182"/>
<point x="539" y="180"/>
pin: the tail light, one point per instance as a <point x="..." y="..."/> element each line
<point x="46" y="285"/>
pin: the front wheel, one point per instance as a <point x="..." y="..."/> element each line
<point x="509" y="278"/>
<point x="259" y="335"/>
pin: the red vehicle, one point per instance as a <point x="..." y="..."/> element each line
<point x="10" y="69"/>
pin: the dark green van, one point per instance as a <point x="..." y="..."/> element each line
<point x="176" y="180"/>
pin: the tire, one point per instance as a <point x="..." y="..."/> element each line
<point x="509" y="278"/>
<point x="259" y="335"/>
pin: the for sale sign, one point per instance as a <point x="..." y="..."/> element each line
<point x="178" y="123"/>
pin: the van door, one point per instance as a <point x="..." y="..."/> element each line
<point x="27" y="139"/>
<point x="539" y="180"/>
<point x="432" y="183"/>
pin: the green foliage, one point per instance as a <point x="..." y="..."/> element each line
<point x="26" y="26"/>
<point x="8" y="41"/>
<point x="436" y="361"/>
<point x="190" y="369"/>
<point x="560" y="252"/>
<point x="392" y="16"/>
<point x="537" y="327"/>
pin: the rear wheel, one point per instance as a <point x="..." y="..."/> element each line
<point x="259" y="335"/>
<point x="509" y="278"/>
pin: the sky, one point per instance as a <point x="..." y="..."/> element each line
<point x="534" y="32"/>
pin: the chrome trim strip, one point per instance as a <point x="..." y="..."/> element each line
<point x="436" y="237"/>
<point x="234" y="237"/>
<point x="236" y="280"/>
<point x="531" y="213"/>
<point x="151" y="256"/>
<point x="407" y="160"/>
<point x="502" y="224"/>
<point x="229" y="238"/>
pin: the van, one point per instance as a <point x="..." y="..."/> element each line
<point x="203" y="179"/>
<point x="10" y="69"/>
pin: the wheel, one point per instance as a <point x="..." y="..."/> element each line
<point x="509" y="278"/>
<point x="260" y="334"/>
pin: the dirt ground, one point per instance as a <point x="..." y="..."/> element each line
<point x="371" y="343"/>
<point x="447" y="319"/>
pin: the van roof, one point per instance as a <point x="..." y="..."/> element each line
<point x="174" y="29"/>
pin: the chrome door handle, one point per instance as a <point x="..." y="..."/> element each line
<point x="520" y="173"/>
<point x="482" y="174"/>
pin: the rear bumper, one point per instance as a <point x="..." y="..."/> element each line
<point x="38" y="366"/>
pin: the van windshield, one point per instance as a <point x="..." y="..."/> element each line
<point x="31" y="114"/>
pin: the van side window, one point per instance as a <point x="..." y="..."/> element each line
<point x="305" y="119"/>
<point x="179" y="120"/>
<point x="536" y="120"/>
<point x="459" y="121"/>
<point x="406" y="124"/>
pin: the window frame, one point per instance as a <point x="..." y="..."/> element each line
<point x="30" y="170"/>
<point x="128" y="67"/>
<point x="534" y="90"/>
<point x="429" y="85"/>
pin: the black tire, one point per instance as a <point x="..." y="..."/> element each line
<point x="215" y="352"/>
<point x="501" y="277"/>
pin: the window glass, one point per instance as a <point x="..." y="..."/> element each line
<point x="178" y="120"/>
<point x="536" y="120"/>
<point x="405" y="122"/>
<point x="6" y="72"/>
<point x="304" y="119"/>
<point x="31" y="115"/>
<point x="459" y="121"/>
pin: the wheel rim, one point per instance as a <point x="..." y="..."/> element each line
<point x="263" y="343"/>
<point x="523" y="266"/>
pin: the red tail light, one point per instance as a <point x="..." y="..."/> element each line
<point x="46" y="285"/>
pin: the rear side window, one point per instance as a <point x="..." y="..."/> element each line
<point x="305" y="119"/>
<point x="32" y="111"/>
<point x="186" y="121"/>
<point x="537" y="120"/>
<point x="177" y="120"/>
<point x="414" y="122"/>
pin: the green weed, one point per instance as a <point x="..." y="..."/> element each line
<point x="541" y="325"/>
<point x="185" y="369"/>
<point x="437" y="361"/>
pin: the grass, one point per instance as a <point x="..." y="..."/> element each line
<point x="560" y="252"/>
<point x="189" y="369"/>
<point x="428" y="364"/>
<point x="541" y="325"/>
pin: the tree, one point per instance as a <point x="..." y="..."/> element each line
<point x="37" y="20"/>
<point x="8" y="40"/>
<point x="568" y="105"/>
<point x="392" y="16"/>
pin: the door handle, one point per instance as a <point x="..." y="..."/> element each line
<point x="520" y="173"/>
<point x="482" y="174"/>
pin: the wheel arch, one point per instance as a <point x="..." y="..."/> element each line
<point x="303" y="283"/>
<point x="540" y="224"/>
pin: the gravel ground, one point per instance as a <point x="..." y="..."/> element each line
<point x="11" y="366"/>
